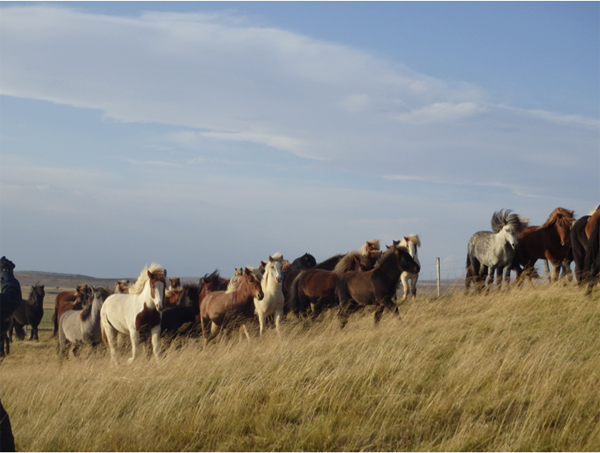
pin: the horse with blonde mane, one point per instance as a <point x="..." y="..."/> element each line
<point x="271" y="304"/>
<point x="138" y="311"/>
<point x="411" y="242"/>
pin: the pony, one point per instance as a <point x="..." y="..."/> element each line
<point x="138" y="311"/>
<point x="121" y="287"/>
<point x="290" y="272"/>
<point x="223" y="309"/>
<point x="491" y="251"/>
<point x="411" y="242"/>
<point x="592" y="258"/>
<point x="82" y="326"/>
<point x="580" y="236"/>
<point x="315" y="288"/>
<point x="549" y="241"/>
<point x="30" y="312"/>
<point x="6" y="323"/>
<point x="182" y="317"/>
<point x="271" y="304"/>
<point x="377" y="286"/>
<point x="67" y="300"/>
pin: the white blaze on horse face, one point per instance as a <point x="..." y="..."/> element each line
<point x="159" y="288"/>
<point x="512" y="237"/>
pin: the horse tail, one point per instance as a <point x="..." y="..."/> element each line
<point x="591" y="256"/>
<point x="293" y="296"/>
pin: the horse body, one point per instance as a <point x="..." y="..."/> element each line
<point x="67" y="300"/>
<point x="30" y="312"/>
<point x="271" y="304"/>
<point x="491" y="251"/>
<point x="580" y="234"/>
<point x="592" y="258"/>
<point x="411" y="242"/>
<point x="549" y="241"/>
<point x="82" y="325"/>
<point x="140" y="310"/>
<point x="222" y="308"/>
<point x="184" y="311"/>
<point x="377" y="286"/>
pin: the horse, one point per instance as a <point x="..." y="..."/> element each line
<point x="138" y="311"/>
<point x="210" y="283"/>
<point x="182" y="317"/>
<point x="549" y="241"/>
<point x="271" y="304"/>
<point x="67" y="300"/>
<point x="580" y="234"/>
<point x="592" y="258"/>
<point x="222" y="308"/>
<point x="30" y="312"/>
<point x="315" y="288"/>
<point x="377" y="286"/>
<point x="121" y="287"/>
<point x="82" y="326"/>
<point x="411" y="242"/>
<point x="491" y="251"/>
<point x="6" y="323"/>
<point x="290" y="272"/>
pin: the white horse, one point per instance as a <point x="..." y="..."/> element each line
<point x="411" y="242"/>
<point x="272" y="302"/>
<point x="140" y="309"/>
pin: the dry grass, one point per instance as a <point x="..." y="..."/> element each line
<point x="510" y="371"/>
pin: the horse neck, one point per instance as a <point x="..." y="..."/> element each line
<point x="412" y="249"/>
<point x="243" y="292"/>
<point x="389" y="266"/>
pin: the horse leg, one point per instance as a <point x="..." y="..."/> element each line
<point x="134" y="336"/>
<point x="261" y="322"/>
<point x="405" y="287"/>
<point x="155" y="335"/>
<point x="278" y="316"/>
<point x="111" y="338"/>
<point x="414" y="285"/>
<point x="245" y="330"/>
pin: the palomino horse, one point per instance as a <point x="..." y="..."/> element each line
<point x="580" y="236"/>
<point x="377" y="286"/>
<point x="140" y="310"/>
<point x="82" y="326"/>
<point x="68" y="301"/>
<point x="30" y="312"/>
<point x="222" y="308"/>
<point x="490" y="251"/>
<point x="315" y="288"/>
<point x="411" y="242"/>
<point x="549" y="241"/>
<point x="271" y="304"/>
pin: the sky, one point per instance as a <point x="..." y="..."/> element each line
<point x="203" y="135"/>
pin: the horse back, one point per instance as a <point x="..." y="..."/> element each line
<point x="317" y="283"/>
<point x="356" y="286"/>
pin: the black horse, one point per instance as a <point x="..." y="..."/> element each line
<point x="290" y="272"/>
<point x="30" y="312"/>
<point x="579" y="243"/>
<point x="592" y="258"/>
<point x="181" y="319"/>
<point x="377" y="286"/>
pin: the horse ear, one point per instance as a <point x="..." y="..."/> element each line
<point x="247" y="271"/>
<point x="396" y="243"/>
<point x="150" y="275"/>
<point x="270" y="259"/>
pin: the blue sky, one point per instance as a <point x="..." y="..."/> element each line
<point x="205" y="135"/>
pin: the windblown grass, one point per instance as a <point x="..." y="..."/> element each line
<point x="510" y="371"/>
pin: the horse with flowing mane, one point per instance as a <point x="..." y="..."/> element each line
<point x="140" y="310"/>
<point x="491" y="251"/>
<point x="271" y="304"/>
<point x="30" y="312"/>
<point x="549" y="241"/>
<point x="377" y="286"/>
<point x="222" y="308"/>
<point x="411" y="242"/>
<point x="82" y="326"/>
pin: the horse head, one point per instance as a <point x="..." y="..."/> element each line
<point x="562" y="220"/>
<point x="405" y="260"/>
<point x="158" y="285"/>
<point x="274" y="268"/>
<point x="251" y="284"/>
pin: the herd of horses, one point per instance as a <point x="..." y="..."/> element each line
<point x="157" y="307"/>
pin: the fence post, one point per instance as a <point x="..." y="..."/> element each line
<point x="437" y="265"/>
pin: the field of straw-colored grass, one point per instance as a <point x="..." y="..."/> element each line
<point x="516" y="370"/>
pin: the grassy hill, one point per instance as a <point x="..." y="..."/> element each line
<point x="513" y="370"/>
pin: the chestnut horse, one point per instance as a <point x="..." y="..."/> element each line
<point x="315" y="288"/>
<point x="222" y="308"/>
<point x="551" y="241"/>
<point x="580" y="236"/>
<point x="67" y="300"/>
<point x="377" y="286"/>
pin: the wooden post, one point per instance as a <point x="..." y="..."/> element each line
<point x="437" y="265"/>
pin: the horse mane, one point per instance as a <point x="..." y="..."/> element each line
<point x="138" y="286"/>
<point x="87" y="310"/>
<point x="369" y="246"/>
<point x="345" y="264"/>
<point x="593" y="211"/>
<point x="561" y="215"/>
<point x="414" y="238"/>
<point x="389" y="253"/>
<point x="502" y="218"/>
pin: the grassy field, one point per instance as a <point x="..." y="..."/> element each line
<point x="508" y="371"/>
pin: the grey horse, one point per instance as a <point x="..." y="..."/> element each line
<point x="82" y="326"/>
<point x="491" y="251"/>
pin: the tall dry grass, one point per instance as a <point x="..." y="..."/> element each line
<point x="516" y="370"/>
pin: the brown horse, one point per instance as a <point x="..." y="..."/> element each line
<point x="550" y="241"/>
<point x="315" y="288"/>
<point x="580" y="236"/>
<point x="67" y="300"/>
<point x="377" y="286"/>
<point x="222" y="308"/>
<point x="208" y="284"/>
